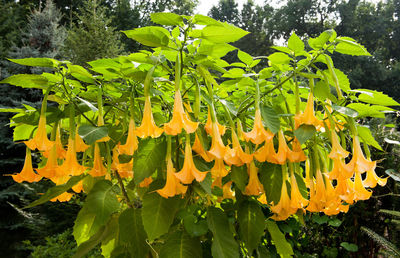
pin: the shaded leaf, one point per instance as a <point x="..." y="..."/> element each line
<point x="251" y="224"/>
<point x="271" y="179"/>
<point x="282" y="246"/>
<point x="181" y="245"/>
<point x="27" y="81"/>
<point x="270" y="118"/>
<point x="304" y="132"/>
<point x="91" y="133"/>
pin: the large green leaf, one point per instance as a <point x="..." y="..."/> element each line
<point x="91" y="133"/>
<point x="222" y="33"/>
<point x="132" y="236"/>
<point x="295" y="43"/>
<point x="181" y="245"/>
<point x="251" y="224"/>
<point x="36" y="61"/>
<point x="366" y="136"/>
<point x="27" y="81"/>
<point x="239" y="176"/>
<point x="245" y="58"/>
<point x="271" y="179"/>
<point x="158" y="214"/>
<point x="365" y="110"/>
<point x="279" y="58"/>
<point x="56" y="191"/>
<point x="375" y="97"/>
<point x="319" y="42"/>
<point x="304" y="132"/>
<point x="152" y="36"/>
<point x="149" y="156"/>
<point x="270" y="118"/>
<point x="166" y="18"/>
<point x="282" y="246"/>
<point x="214" y="50"/>
<point x="224" y="245"/>
<point x="349" y="47"/>
<point x="100" y="203"/>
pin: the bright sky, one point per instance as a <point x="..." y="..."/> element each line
<point x="205" y="5"/>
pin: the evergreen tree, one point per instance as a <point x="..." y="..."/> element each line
<point x="94" y="37"/>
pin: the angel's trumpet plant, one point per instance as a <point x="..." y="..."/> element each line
<point x="199" y="149"/>
<point x="209" y="125"/>
<point x="235" y="155"/>
<point x="258" y="134"/>
<point x="308" y="116"/>
<point x="218" y="148"/>
<point x="98" y="168"/>
<point x="131" y="143"/>
<point x="296" y="154"/>
<point x="49" y="170"/>
<point x="27" y="174"/>
<point x="40" y="140"/>
<point x="71" y="165"/>
<point x="254" y="186"/>
<point x="80" y="145"/>
<point x="297" y="201"/>
<point x="283" y="209"/>
<point x="148" y="126"/>
<point x="358" y="161"/>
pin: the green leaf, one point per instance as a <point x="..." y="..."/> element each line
<point x="279" y="58"/>
<point x="194" y="228"/>
<point x="158" y="213"/>
<point x="366" y="137"/>
<point x="152" y="36"/>
<point x="81" y="73"/>
<point x="168" y="19"/>
<point x="343" y="80"/>
<point x="349" y="47"/>
<point x="224" y="245"/>
<point x="345" y="110"/>
<point x="393" y="174"/>
<point x="104" y="232"/>
<point x="56" y="191"/>
<point x="12" y="110"/>
<point x="282" y="246"/>
<point x="149" y="156"/>
<point x="271" y="179"/>
<point x="251" y="224"/>
<point x="239" y="176"/>
<point x="365" y="110"/>
<point x="100" y="203"/>
<point x="245" y="58"/>
<point x="319" y="42"/>
<point x="91" y="133"/>
<point x="27" y="81"/>
<point x="132" y="236"/>
<point x="270" y="118"/>
<point x="375" y="97"/>
<point x="214" y="50"/>
<point x="349" y="247"/>
<point x="304" y="132"/>
<point x="390" y="212"/>
<point x="222" y="33"/>
<point x="395" y="252"/>
<point x="204" y="20"/>
<point x="335" y="222"/>
<point x="181" y="245"/>
<point x="36" y="61"/>
<point x="320" y="219"/>
<point x="295" y="43"/>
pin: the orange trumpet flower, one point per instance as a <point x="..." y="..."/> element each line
<point x="254" y="187"/>
<point x="345" y="190"/>
<point x="64" y="197"/>
<point x="189" y="171"/>
<point x="27" y="174"/>
<point x="360" y="193"/>
<point x="296" y="154"/>
<point x="283" y="209"/>
<point x="80" y="145"/>
<point x="146" y="182"/>
<point x="297" y="201"/>
<point x="148" y="126"/>
<point x="283" y="149"/>
<point x="340" y="170"/>
<point x="227" y="191"/>
<point x="98" y="168"/>
<point x="372" y="179"/>
<point x="219" y="169"/>
<point x="40" y="140"/>
<point x="208" y="126"/>
<point x="358" y="162"/>
<point x="218" y="148"/>
<point x="172" y="186"/>
<point x="308" y="116"/>
<point x="258" y="134"/>
<point x="131" y="142"/>
<point x="71" y="166"/>
<point x="236" y="156"/>
<point x="78" y="187"/>
<point x="266" y="153"/>
<point x="198" y="148"/>
<point x="337" y="151"/>
<point x="179" y="119"/>
<point x="49" y="170"/>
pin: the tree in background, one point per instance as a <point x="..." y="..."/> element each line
<point x="93" y="37"/>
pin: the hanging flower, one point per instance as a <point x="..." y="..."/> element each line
<point x="40" y="140"/>
<point x="308" y="116"/>
<point x="218" y="148"/>
<point x="266" y="153"/>
<point x="80" y="145"/>
<point x="254" y="187"/>
<point x="78" y="187"/>
<point x="337" y="151"/>
<point x="372" y="179"/>
<point x="131" y="141"/>
<point x="49" y="170"/>
<point x="340" y="170"/>
<point x="227" y="191"/>
<point x="64" y="197"/>
<point x="198" y="148"/>
<point x="360" y="193"/>
<point x="208" y="126"/>
<point x="258" y="134"/>
<point x="236" y="156"/>
<point x="189" y="171"/>
<point x="297" y="201"/>
<point x="345" y="190"/>
<point x="296" y="154"/>
<point x="146" y="182"/>
<point x="172" y="186"/>
<point x="283" y="209"/>
<point x="358" y="162"/>
<point x="283" y="149"/>
<point x="27" y="174"/>
<point x="219" y="169"/>
<point x="317" y="193"/>
<point x="148" y="126"/>
<point x="179" y="119"/>
<point x="98" y="168"/>
<point x="71" y="166"/>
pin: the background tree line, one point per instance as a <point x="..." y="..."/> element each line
<point x="81" y="31"/>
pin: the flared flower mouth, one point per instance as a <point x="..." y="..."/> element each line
<point x="258" y="134"/>
<point x="27" y="174"/>
<point x="218" y="148"/>
<point x="148" y="126"/>
<point x="98" y="168"/>
<point x="131" y="144"/>
<point x="254" y="187"/>
<point x="172" y="186"/>
<point x="40" y="141"/>
<point x="308" y="116"/>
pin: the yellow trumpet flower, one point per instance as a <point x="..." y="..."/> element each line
<point x="219" y="169"/>
<point x="189" y="171"/>
<point x="60" y="151"/>
<point x="179" y="119"/>
<point x="360" y="193"/>
<point x="227" y="191"/>
<point x="266" y="153"/>
<point x="172" y="186"/>
<point x="296" y="154"/>
<point x="71" y="166"/>
<point x="218" y="148"/>
<point x="254" y="186"/>
<point x="49" y="170"/>
<point x="80" y="145"/>
<point x="40" y="140"/>
<point x="297" y="201"/>
<point x="258" y="134"/>
<point x="372" y="179"/>
<point x="64" y="197"/>
<point x="236" y="156"/>
<point x="358" y="162"/>
<point x="131" y="141"/>
<point x="198" y="148"/>
<point x="337" y="151"/>
<point x="146" y="182"/>
<point x="98" y="168"/>
<point x="148" y="126"/>
<point x="283" y="149"/>
<point x="27" y="174"/>
<point x="308" y="116"/>
<point x="208" y="125"/>
<point x="345" y="190"/>
<point x="282" y="210"/>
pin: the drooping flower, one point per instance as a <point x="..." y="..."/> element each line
<point x="179" y="119"/>
<point x="258" y="134"/>
<point x="40" y="140"/>
<point x="78" y="187"/>
<point x="208" y="125"/>
<point x="218" y="148"/>
<point x="80" y="145"/>
<point x="60" y="151"/>
<point x="235" y="155"/>
<point x="317" y="193"/>
<point x="131" y="141"/>
<point x="360" y="193"/>
<point x="372" y="179"/>
<point x="337" y="151"/>
<point x="71" y="166"/>
<point x="148" y="126"/>
<point x="172" y="186"/>
<point x="308" y="116"/>
<point x="254" y="186"/>
<point x="296" y="154"/>
<point x="345" y="190"/>
<point x="283" y="149"/>
<point x="98" y="168"/>
<point x="297" y="201"/>
<point x="282" y="210"/>
<point x="27" y="174"/>
<point x="219" y="169"/>
<point x="64" y="197"/>
<point x="49" y="170"/>
<point x="146" y="182"/>
<point x="266" y="153"/>
<point x="358" y="162"/>
<point x="227" y="191"/>
<point x="198" y="148"/>
<point x="333" y="203"/>
<point x="189" y="171"/>
<point x="340" y="170"/>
